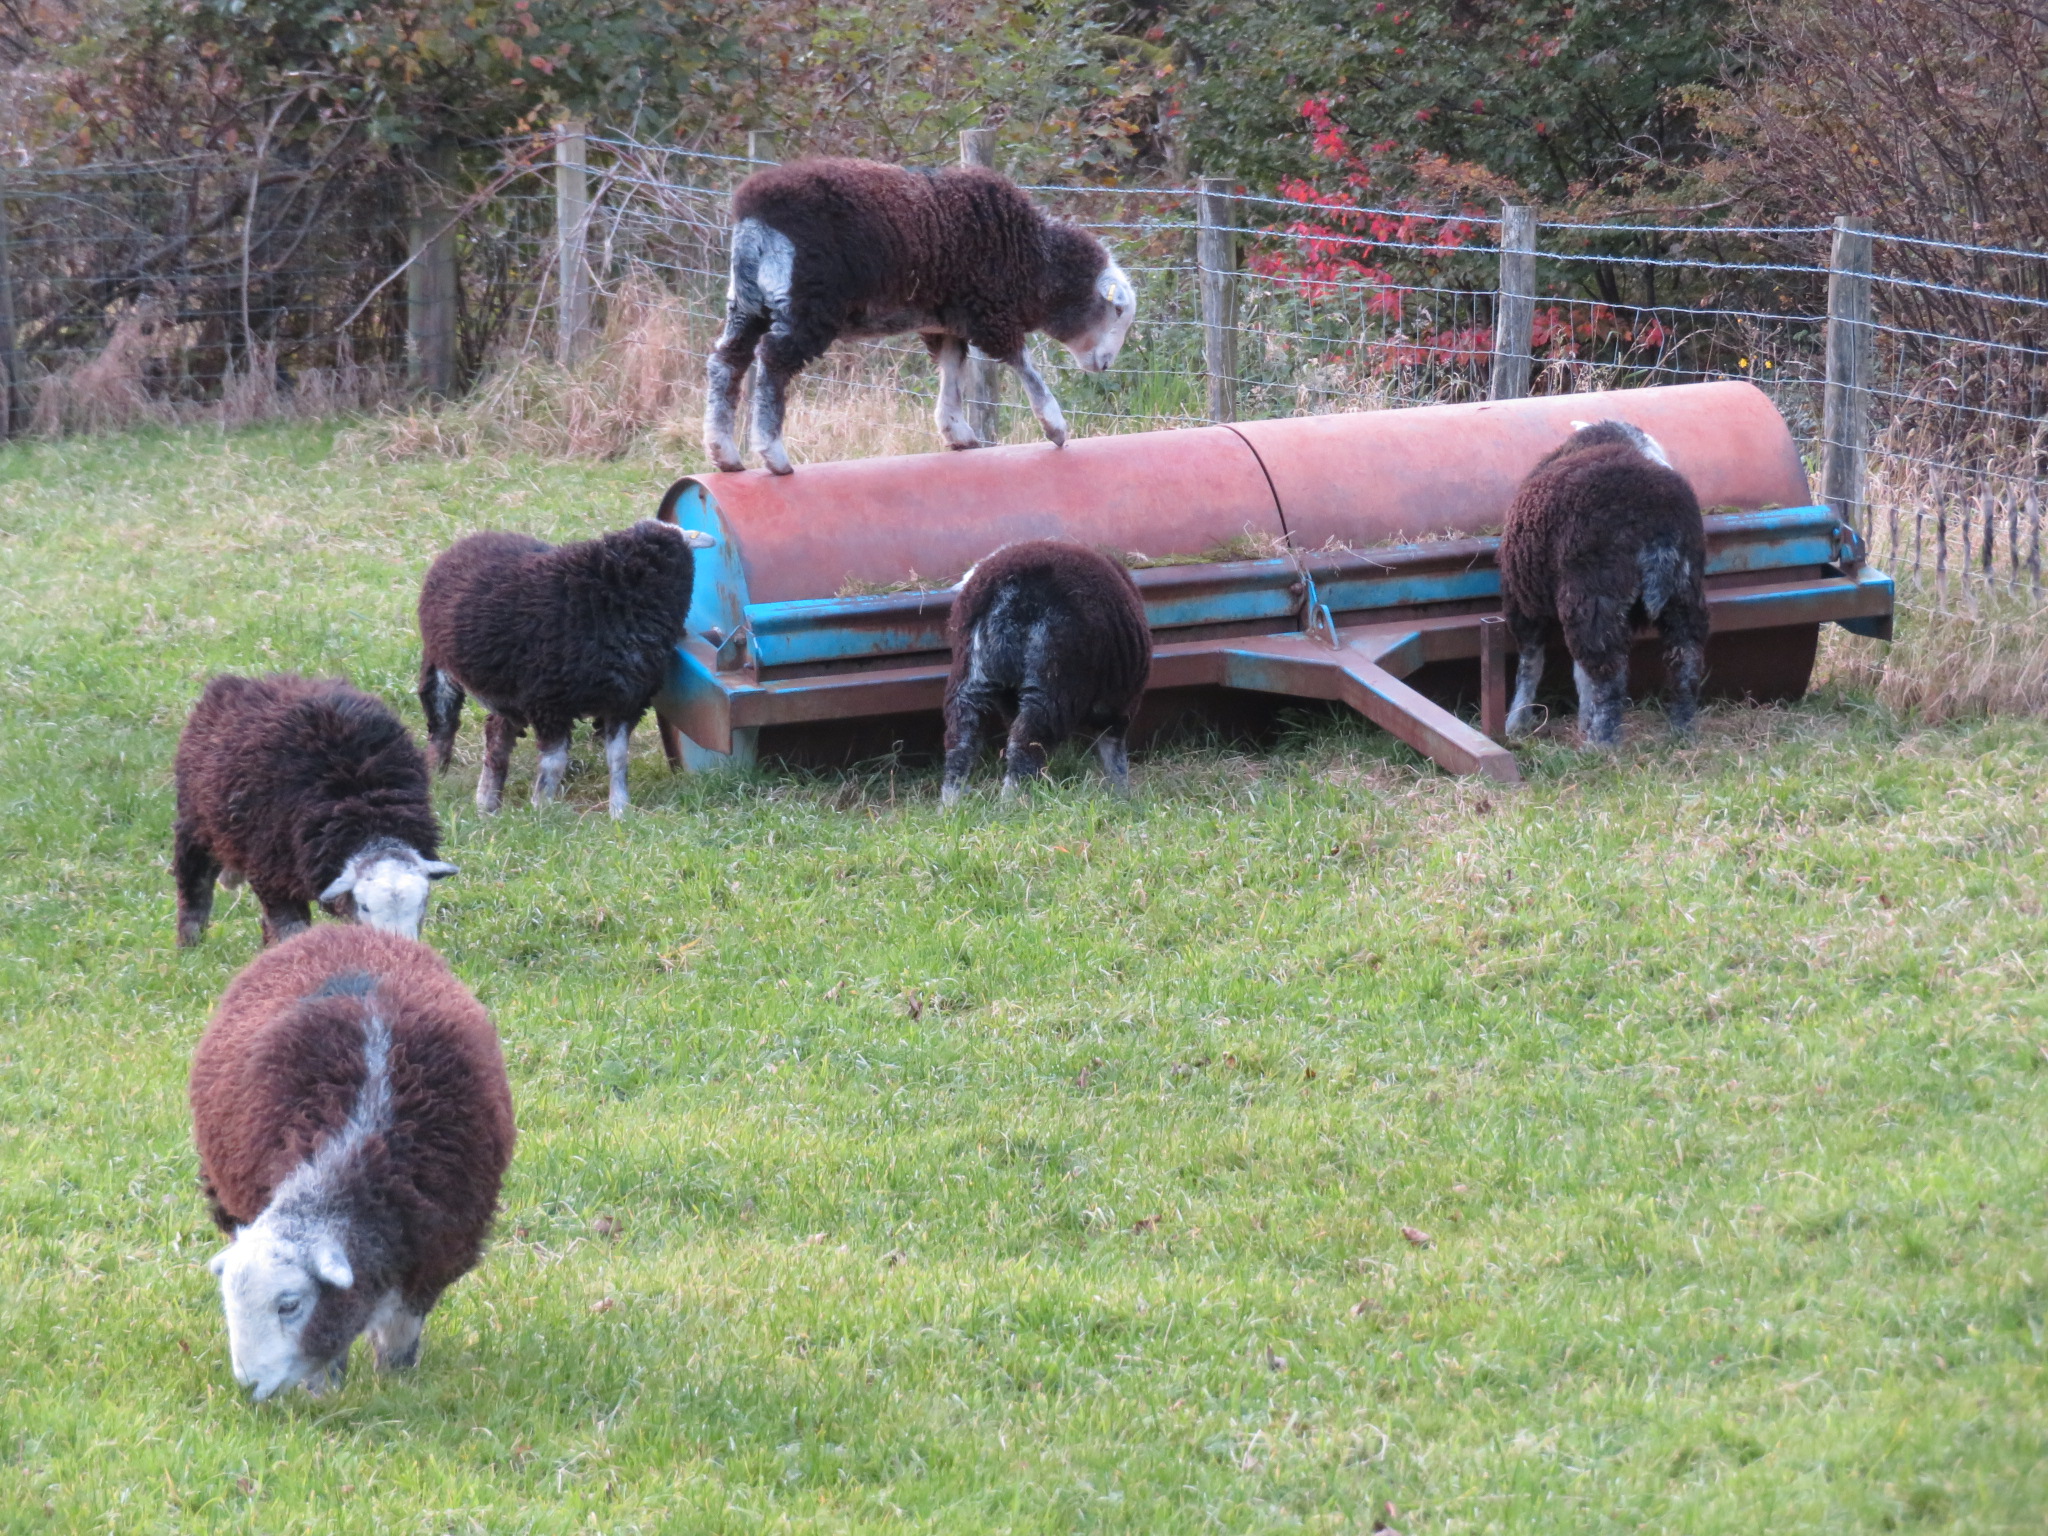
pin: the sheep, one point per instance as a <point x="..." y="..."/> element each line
<point x="354" y="1124"/>
<point x="1603" y="536"/>
<point x="310" y="791"/>
<point x="545" y="635"/>
<point x="825" y="249"/>
<point x="1051" y="636"/>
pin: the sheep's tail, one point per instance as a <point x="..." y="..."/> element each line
<point x="1665" y="571"/>
<point x="441" y="702"/>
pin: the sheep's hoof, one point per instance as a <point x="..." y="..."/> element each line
<point x="330" y="1377"/>
<point x="961" y="447"/>
<point x="189" y="935"/>
<point x="776" y="457"/>
<point x="951" y="792"/>
<point x="1521" y="723"/>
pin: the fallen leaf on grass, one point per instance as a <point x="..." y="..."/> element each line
<point x="603" y="1304"/>
<point x="1418" y="1237"/>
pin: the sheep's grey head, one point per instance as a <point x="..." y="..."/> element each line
<point x="385" y="886"/>
<point x="1104" y="322"/>
<point x="1613" y="431"/>
<point x="270" y="1284"/>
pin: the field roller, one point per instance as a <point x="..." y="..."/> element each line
<point x="1343" y="557"/>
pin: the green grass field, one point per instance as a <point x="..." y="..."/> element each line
<point x="1045" y="1169"/>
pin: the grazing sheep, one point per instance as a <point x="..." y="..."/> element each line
<point x="310" y="791"/>
<point x="353" y="1121"/>
<point x="547" y="635"/>
<point x="1052" y="637"/>
<point x="1604" y="536"/>
<point x="825" y="249"/>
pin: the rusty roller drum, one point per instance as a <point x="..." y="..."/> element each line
<point x="817" y="632"/>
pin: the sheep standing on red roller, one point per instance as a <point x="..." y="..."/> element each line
<point x="1051" y="638"/>
<point x="830" y="249"/>
<point x="1605" y="536"/>
<point x="547" y="635"/>
<point x="311" y="791"/>
<point x="354" y="1124"/>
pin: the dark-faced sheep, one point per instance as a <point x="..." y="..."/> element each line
<point x="1605" y="536"/>
<point x="310" y="791"/>
<point x="546" y="635"/>
<point x="353" y="1121"/>
<point x="831" y="249"/>
<point x="1049" y="638"/>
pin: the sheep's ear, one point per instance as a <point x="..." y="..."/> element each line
<point x="434" y="869"/>
<point x="343" y="884"/>
<point x="330" y="1263"/>
<point x="219" y="1262"/>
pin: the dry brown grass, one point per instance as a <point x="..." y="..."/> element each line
<point x="640" y="393"/>
<point x="1948" y="662"/>
<point x="123" y="385"/>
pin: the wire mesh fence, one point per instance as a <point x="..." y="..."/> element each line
<point x="194" y="284"/>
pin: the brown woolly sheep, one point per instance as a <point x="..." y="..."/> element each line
<point x="310" y="791"/>
<point x="1602" y="537"/>
<point x="1052" y="637"/>
<point x="825" y="249"/>
<point x="547" y="635"/>
<point x="354" y="1123"/>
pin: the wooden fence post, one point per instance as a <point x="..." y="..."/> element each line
<point x="1845" y="406"/>
<point x="1216" y="272"/>
<point x="761" y="145"/>
<point x="572" y="242"/>
<point x="12" y="416"/>
<point x="430" y="280"/>
<point x="981" y="383"/>
<point x="1514" y="307"/>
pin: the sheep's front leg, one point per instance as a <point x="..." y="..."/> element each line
<point x="553" y="768"/>
<point x="394" y="1333"/>
<point x="617" y="734"/>
<point x="283" y="918"/>
<point x="950" y="353"/>
<point x="1112" y="750"/>
<point x="725" y="376"/>
<point x="1043" y="405"/>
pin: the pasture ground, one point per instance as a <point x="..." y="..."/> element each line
<point x="1046" y="1170"/>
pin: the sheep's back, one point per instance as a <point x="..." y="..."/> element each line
<point x="1593" y="511"/>
<point x="286" y="777"/>
<point x="280" y="1066"/>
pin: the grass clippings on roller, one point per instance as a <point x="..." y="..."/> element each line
<point x="1312" y="1142"/>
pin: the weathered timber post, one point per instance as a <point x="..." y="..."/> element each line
<point x="761" y="145"/>
<point x="1845" y="406"/>
<point x="430" y="280"/>
<point x="572" y="238"/>
<point x="981" y="382"/>
<point x="1216" y="272"/>
<point x="13" y="419"/>
<point x="1514" y="306"/>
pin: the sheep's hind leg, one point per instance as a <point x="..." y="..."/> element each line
<point x="441" y="702"/>
<point x="1602" y="697"/>
<point x="725" y="378"/>
<point x="969" y="714"/>
<point x="950" y="354"/>
<point x="499" y="734"/>
<point x="782" y="355"/>
<point x="1050" y="418"/>
<point x="1528" y="673"/>
<point x="195" y="869"/>
<point x="617" y="737"/>
<point x="1033" y="735"/>
<point x="553" y="768"/>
